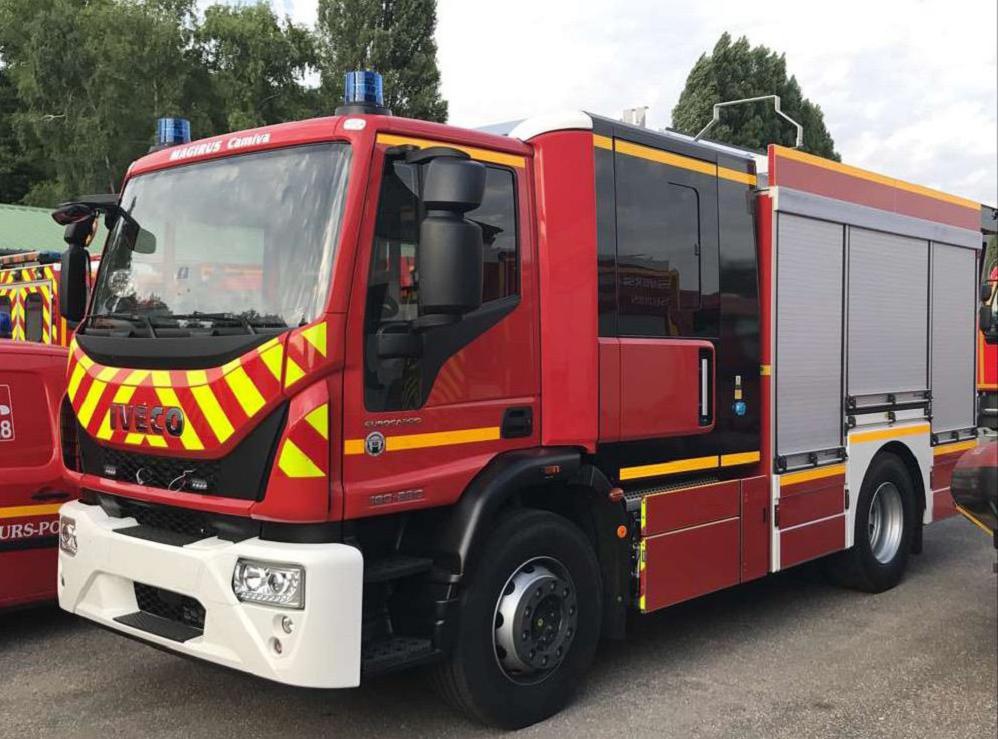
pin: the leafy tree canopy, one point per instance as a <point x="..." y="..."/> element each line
<point x="736" y="70"/>
<point x="394" y="37"/>
<point x="83" y="81"/>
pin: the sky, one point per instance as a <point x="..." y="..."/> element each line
<point x="909" y="88"/>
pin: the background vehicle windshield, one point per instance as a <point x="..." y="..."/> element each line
<point x="248" y="237"/>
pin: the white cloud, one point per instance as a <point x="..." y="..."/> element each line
<point x="908" y="87"/>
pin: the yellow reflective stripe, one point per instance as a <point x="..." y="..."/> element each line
<point x="669" y="468"/>
<point x="122" y="395"/>
<point x="293" y="462"/>
<point x="23" y="511"/>
<point x="86" y="361"/>
<point x="136" y="377"/>
<point x="728" y="460"/>
<point x="196" y="377"/>
<point x="74" y="381"/>
<point x="272" y="357"/>
<point x="734" y="175"/>
<point x="188" y="437"/>
<point x="89" y="404"/>
<point x="422" y="441"/>
<point x="213" y="413"/>
<point x="949" y="448"/>
<point x="485" y="155"/>
<point x="973" y="519"/>
<point x="665" y="157"/>
<point x="880" y="179"/>
<point x="245" y="391"/>
<point x="158" y="441"/>
<point x="602" y="142"/>
<point x="161" y="378"/>
<point x="318" y="419"/>
<point x="292" y="373"/>
<point x="133" y="438"/>
<point x="892" y="433"/>
<point x="316" y="336"/>
<point x="107" y="374"/>
<point x="817" y="473"/>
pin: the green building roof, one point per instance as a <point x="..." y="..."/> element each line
<point x="23" y="228"/>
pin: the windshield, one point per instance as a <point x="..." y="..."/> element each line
<point x="244" y="242"/>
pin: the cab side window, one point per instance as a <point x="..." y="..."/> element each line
<point x="393" y="281"/>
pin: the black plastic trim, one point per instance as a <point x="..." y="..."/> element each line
<point x="502" y="477"/>
<point x="189" y="352"/>
<point x="164" y="627"/>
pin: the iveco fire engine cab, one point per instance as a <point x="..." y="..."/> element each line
<point x="360" y="392"/>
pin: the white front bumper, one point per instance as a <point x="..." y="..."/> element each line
<point x="323" y="650"/>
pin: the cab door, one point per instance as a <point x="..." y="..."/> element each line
<point x="417" y="429"/>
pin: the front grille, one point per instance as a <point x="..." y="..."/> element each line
<point x="169" y="473"/>
<point x="166" y="518"/>
<point x="169" y="605"/>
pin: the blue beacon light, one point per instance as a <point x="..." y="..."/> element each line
<point x="363" y="92"/>
<point x="172" y="131"/>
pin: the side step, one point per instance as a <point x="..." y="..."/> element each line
<point x="394" y="653"/>
<point x="394" y="568"/>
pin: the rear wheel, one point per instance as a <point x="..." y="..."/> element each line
<point x="885" y="525"/>
<point x="529" y="623"/>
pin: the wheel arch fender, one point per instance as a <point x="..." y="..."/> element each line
<point x="577" y="490"/>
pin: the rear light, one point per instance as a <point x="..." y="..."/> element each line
<point x="69" y="437"/>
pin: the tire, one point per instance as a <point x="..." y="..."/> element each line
<point x="529" y="554"/>
<point x="885" y="526"/>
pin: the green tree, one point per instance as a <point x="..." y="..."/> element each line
<point x="19" y="166"/>
<point x="91" y="78"/>
<point x="255" y="63"/>
<point x="736" y="70"/>
<point x="393" y="37"/>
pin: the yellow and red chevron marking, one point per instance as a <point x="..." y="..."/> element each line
<point x="308" y="349"/>
<point x="219" y="404"/>
<point x="298" y="488"/>
<point x="54" y="328"/>
<point x="15" y="296"/>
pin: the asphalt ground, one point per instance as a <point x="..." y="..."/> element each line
<point x="787" y="656"/>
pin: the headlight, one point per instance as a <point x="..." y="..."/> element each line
<point x="269" y="583"/>
<point x="67" y="535"/>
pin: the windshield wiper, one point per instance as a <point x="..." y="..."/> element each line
<point x="131" y="318"/>
<point x="215" y="319"/>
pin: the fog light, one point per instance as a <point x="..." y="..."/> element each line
<point x="197" y="483"/>
<point x="110" y="470"/>
<point x="67" y="535"/>
<point x="269" y="583"/>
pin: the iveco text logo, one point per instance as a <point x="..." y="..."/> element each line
<point x="144" y="418"/>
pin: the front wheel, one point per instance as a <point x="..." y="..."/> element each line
<point x="529" y="623"/>
<point x="885" y="525"/>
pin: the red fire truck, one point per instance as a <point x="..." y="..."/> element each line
<point x="479" y="396"/>
<point x="33" y="341"/>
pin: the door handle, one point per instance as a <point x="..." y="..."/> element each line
<point x="50" y="495"/>
<point x="517" y="422"/>
<point x="706" y="387"/>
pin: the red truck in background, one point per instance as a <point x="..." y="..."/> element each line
<point x="987" y="367"/>
<point x="33" y="482"/>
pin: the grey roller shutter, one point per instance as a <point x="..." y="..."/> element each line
<point x="808" y="335"/>
<point x="888" y="313"/>
<point x="954" y="279"/>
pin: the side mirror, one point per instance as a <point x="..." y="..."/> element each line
<point x="73" y="282"/>
<point x="985" y="291"/>
<point x="70" y="213"/>
<point x="451" y="250"/>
